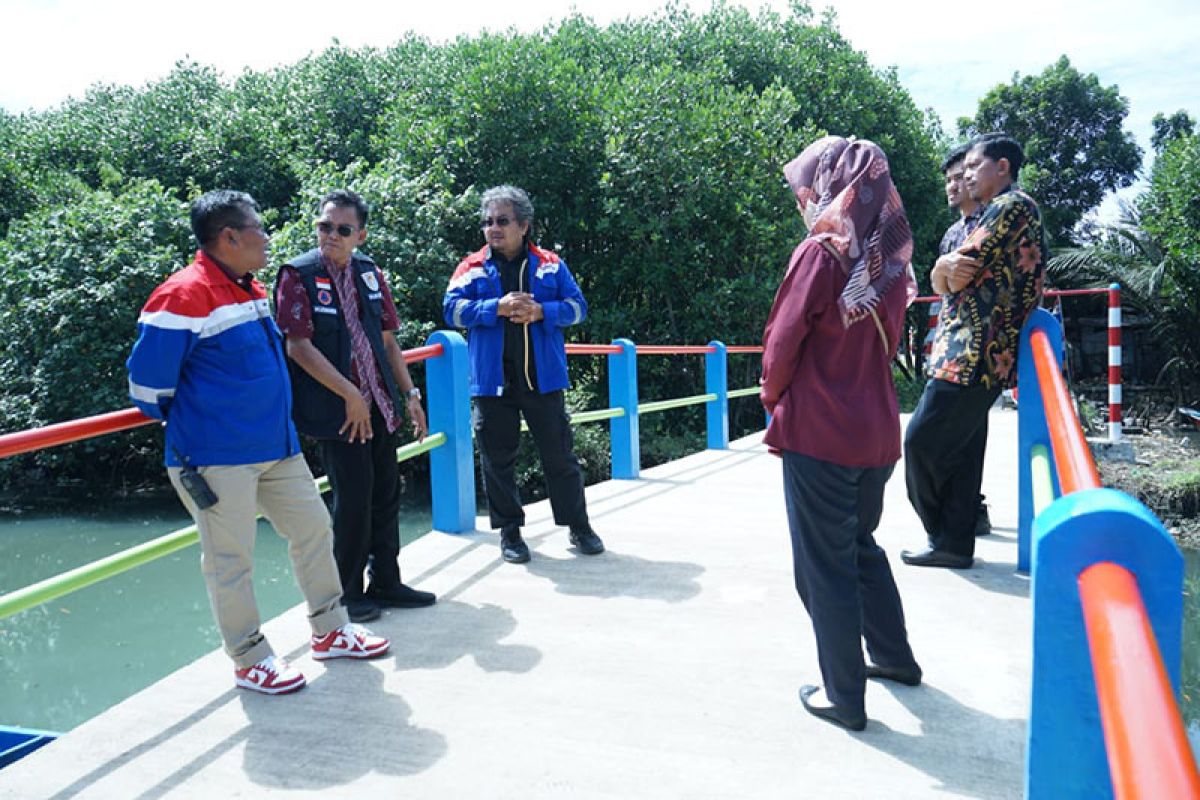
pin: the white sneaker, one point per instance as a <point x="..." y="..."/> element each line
<point x="272" y="675"/>
<point x="349" y="641"/>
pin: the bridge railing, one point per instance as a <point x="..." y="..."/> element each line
<point x="1107" y="589"/>
<point x="449" y="445"/>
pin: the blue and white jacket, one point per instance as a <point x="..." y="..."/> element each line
<point x="471" y="302"/>
<point x="209" y="357"/>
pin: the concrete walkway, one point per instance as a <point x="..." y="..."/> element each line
<point x="666" y="668"/>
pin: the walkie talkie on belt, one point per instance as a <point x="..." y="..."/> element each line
<point x="194" y="484"/>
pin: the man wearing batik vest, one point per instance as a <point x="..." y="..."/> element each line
<point x="515" y="298"/>
<point x="349" y="375"/>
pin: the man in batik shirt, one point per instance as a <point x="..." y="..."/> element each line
<point x="990" y="284"/>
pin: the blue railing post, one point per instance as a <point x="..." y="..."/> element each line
<point x="716" y="381"/>
<point x="1031" y="426"/>
<point x="1065" y="753"/>
<point x="624" y="430"/>
<point x="451" y="466"/>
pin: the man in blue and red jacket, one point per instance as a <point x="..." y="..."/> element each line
<point x="515" y="298"/>
<point x="209" y="361"/>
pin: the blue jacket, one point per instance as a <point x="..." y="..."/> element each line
<point x="471" y="301"/>
<point x="209" y="358"/>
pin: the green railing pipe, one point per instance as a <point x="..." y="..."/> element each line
<point x="679" y="402"/>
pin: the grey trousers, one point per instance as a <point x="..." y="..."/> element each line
<point x="284" y="493"/>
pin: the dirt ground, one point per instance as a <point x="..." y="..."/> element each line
<point x="1165" y="476"/>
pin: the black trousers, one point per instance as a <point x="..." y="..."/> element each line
<point x="943" y="461"/>
<point x="497" y="424"/>
<point x="842" y="576"/>
<point x="365" y="479"/>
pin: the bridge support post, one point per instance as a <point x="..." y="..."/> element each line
<point x="1065" y="751"/>
<point x="451" y="466"/>
<point x="1031" y="427"/>
<point x="624" y="431"/>
<point x="716" y="382"/>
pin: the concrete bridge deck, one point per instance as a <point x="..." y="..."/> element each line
<point x="666" y="668"/>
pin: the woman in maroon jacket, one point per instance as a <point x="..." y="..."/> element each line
<point x="827" y="383"/>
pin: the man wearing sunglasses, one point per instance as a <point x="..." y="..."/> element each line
<point x="515" y="298"/>
<point x="352" y="388"/>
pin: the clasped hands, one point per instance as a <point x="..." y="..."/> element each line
<point x="520" y="307"/>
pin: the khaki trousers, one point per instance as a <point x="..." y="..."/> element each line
<point x="284" y="493"/>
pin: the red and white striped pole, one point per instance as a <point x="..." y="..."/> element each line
<point x="1114" y="362"/>
<point x="934" y="308"/>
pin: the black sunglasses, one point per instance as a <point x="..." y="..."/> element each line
<point x="499" y="222"/>
<point x="343" y="230"/>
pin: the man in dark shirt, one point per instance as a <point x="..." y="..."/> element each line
<point x="336" y="310"/>
<point x="970" y="213"/>
<point x="990" y="284"/>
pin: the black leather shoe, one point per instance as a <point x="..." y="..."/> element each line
<point x="909" y="676"/>
<point x="512" y="547"/>
<point x="401" y="597"/>
<point x="829" y="712"/>
<point x="936" y="558"/>
<point x="587" y="542"/>
<point x="362" y="610"/>
<point x="983" y="522"/>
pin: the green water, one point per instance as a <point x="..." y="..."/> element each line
<point x="67" y="660"/>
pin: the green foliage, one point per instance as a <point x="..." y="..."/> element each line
<point x="71" y="282"/>
<point x="1154" y="253"/>
<point x="1167" y="129"/>
<point x="652" y="149"/>
<point x="1070" y="128"/>
<point x="1171" y="216"/>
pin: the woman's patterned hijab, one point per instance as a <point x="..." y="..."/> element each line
<point x="857" y="212"/>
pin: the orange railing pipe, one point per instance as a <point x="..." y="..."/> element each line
<point x="744" y="348"/>
<point x="422" y="353"/>
<point x="12" y="444"/>
<point x="1148" y="752"/>
<point x="593" y="350"/>
<point x="1076" y="469"/>
<point x="674" y="349"/>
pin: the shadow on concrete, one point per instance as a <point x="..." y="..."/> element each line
<point x="452" y="630"/>
<point x="1000" y="577"/>
<point x="354" y="727"/>
<point x="136" y="750"/>
<point x="613" y="574"/>
<point x="970" y="753"/>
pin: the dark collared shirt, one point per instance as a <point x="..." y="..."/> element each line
<point x="957" y="233"/>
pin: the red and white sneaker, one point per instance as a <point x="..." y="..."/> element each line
<point x="349" y="641"/>
<point x="270" y="676"/>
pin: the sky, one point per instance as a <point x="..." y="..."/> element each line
<point x="947" y="54"/>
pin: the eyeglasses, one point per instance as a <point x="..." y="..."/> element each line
<point x="343" y="230"/>
<point x="499" y="222"/>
